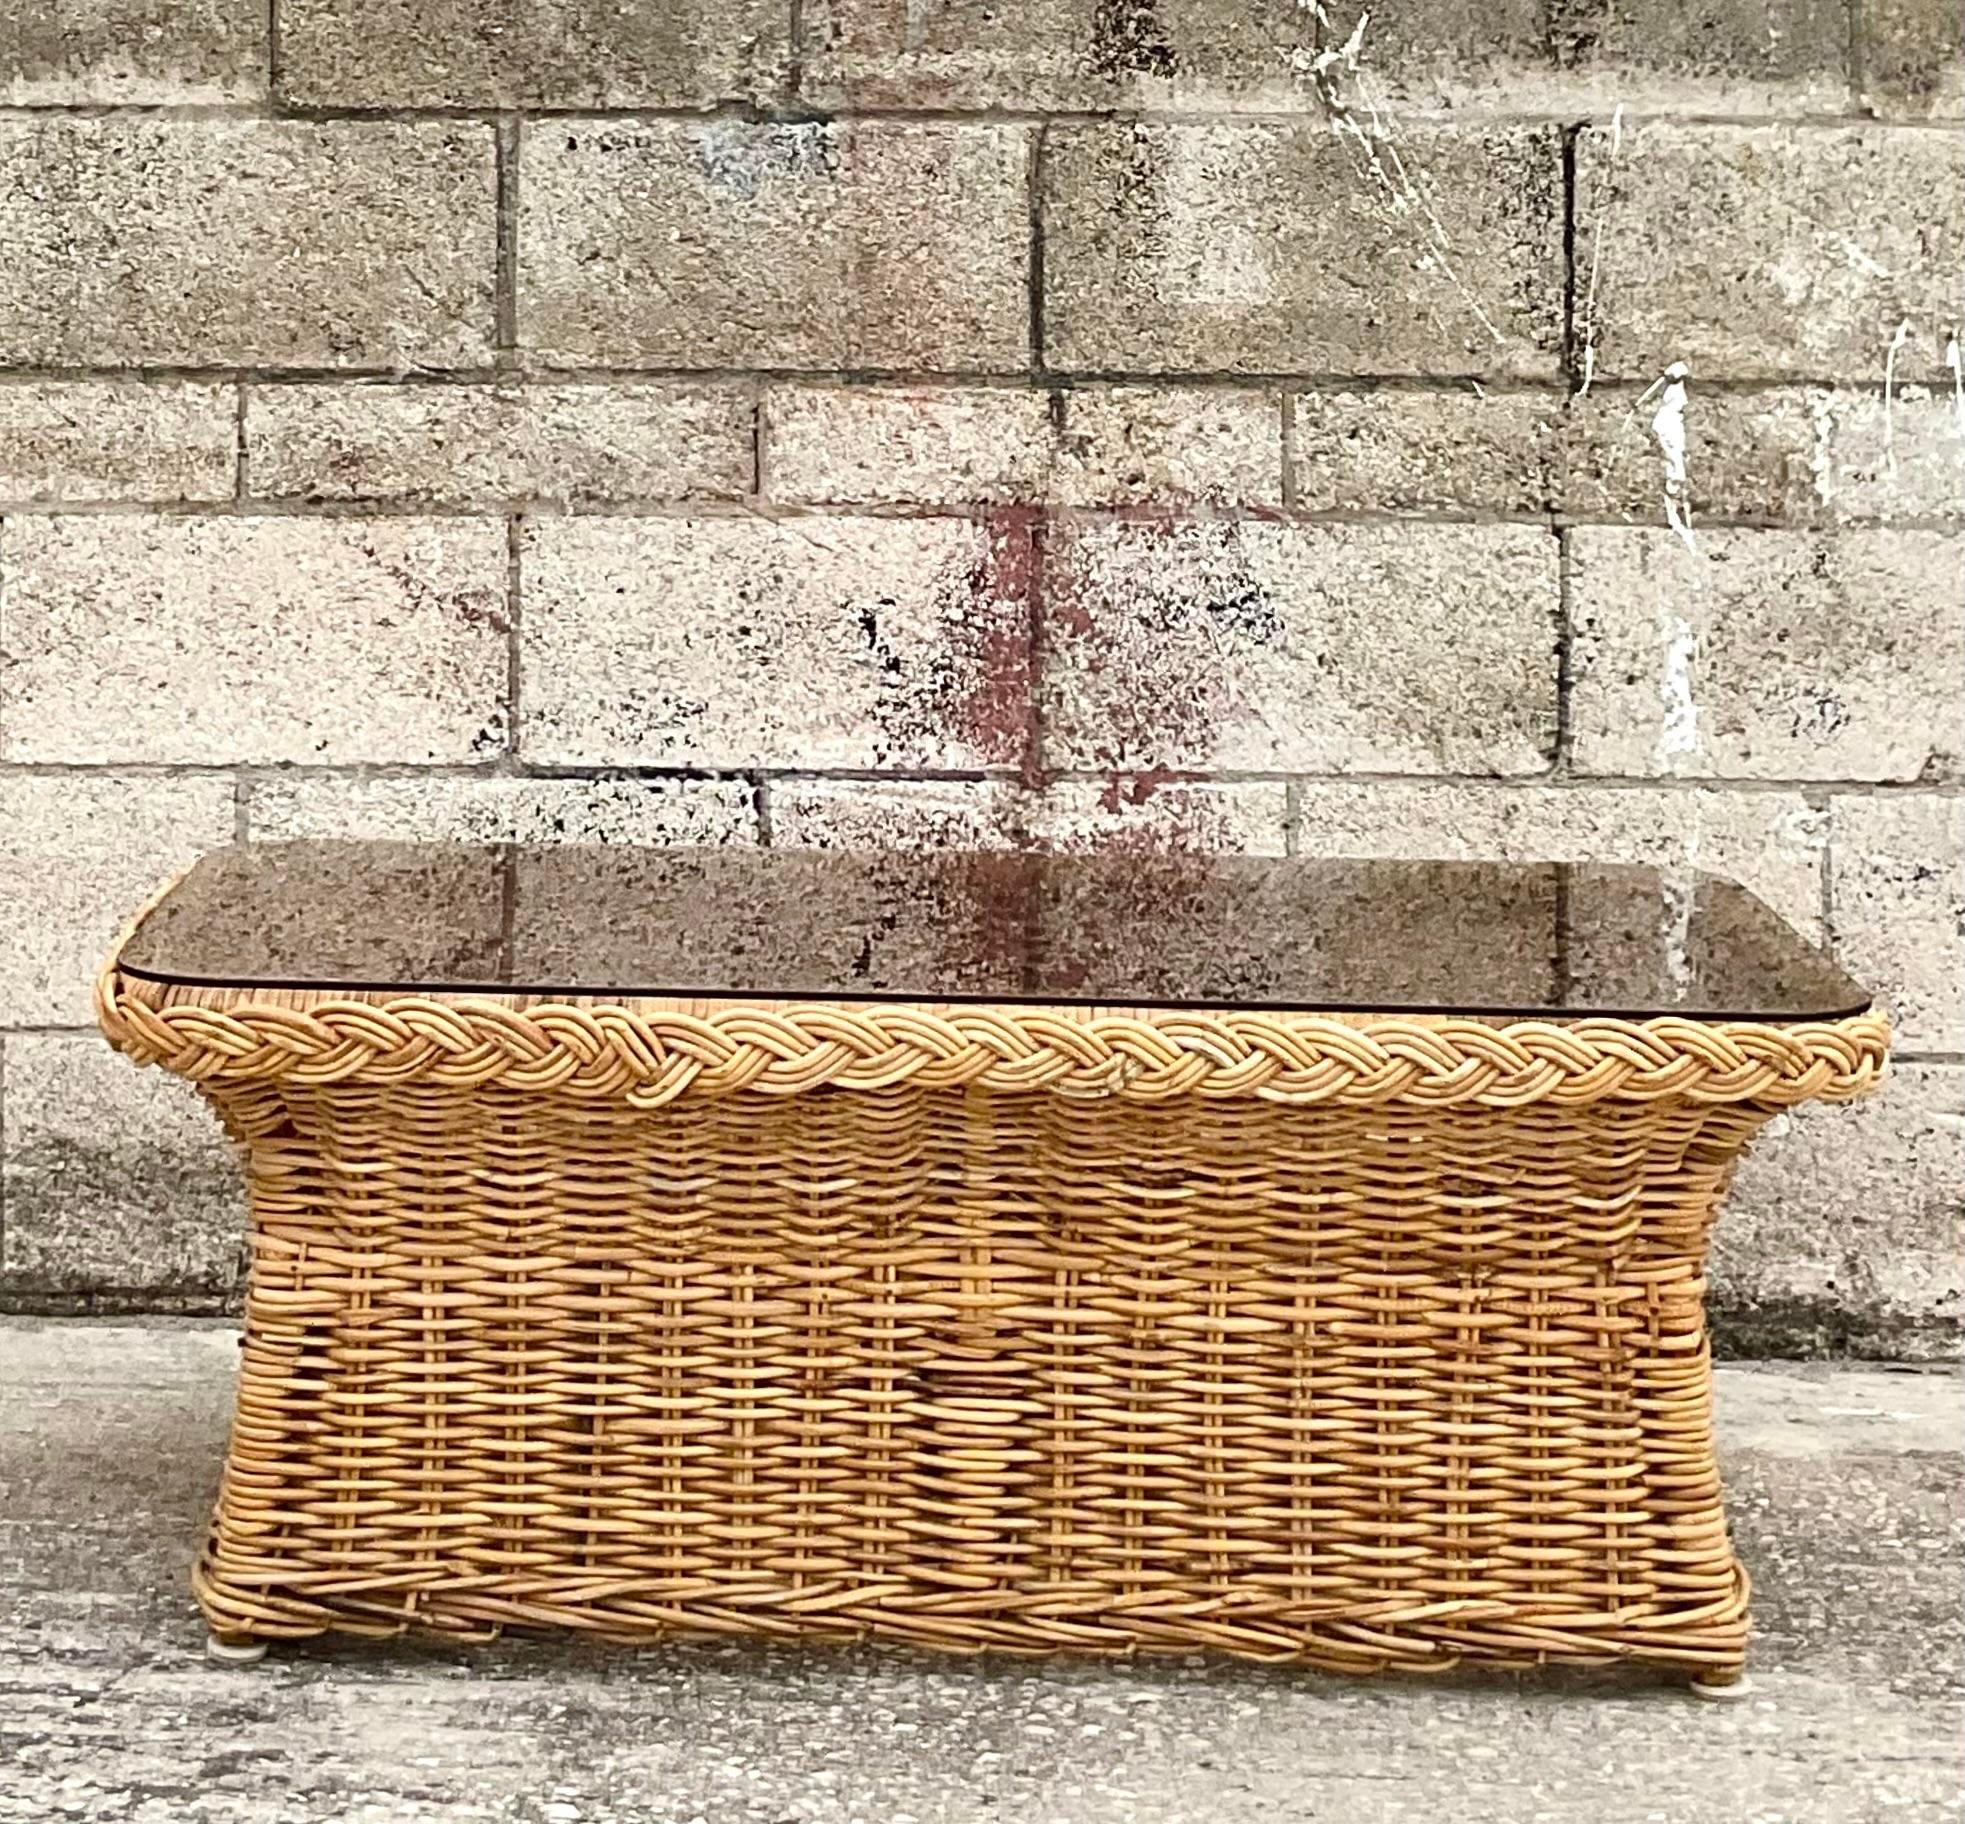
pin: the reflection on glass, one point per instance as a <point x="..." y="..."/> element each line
<point x="1113" y="930"/>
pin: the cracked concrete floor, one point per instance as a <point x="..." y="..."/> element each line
<point x="1846" y="1494"/>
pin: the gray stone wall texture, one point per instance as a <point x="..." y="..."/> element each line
<point x="430" y="419"/>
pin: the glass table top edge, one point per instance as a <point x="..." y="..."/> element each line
<point x="1830" y="995"/>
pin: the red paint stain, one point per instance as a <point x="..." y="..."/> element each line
<point x="1123" y="789"/>
<point x="970" y="701"/>
<point x="1143" y="690"/>
<point x="993" y="635"/>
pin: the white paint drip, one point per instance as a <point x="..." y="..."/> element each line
<point x="1821" y="459"/>
<point x="1414" y="186"/>
<point x="1678" y="729"/>
<point x="1678" y="732"/>
<point x="1890" y="395"/>
<point x="1679" y="891"/>
<point x="1347" y="52"/>
<point x="1957" y="382"/>
<point x="1668" y="427"/>
<point x="1379" y="165"/>
<point x="1596" y="261"/>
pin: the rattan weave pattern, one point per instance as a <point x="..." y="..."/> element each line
<point x="649" y="1053"/>
<point x="1373" y="1343"/>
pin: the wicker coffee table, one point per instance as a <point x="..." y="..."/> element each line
<point x="1304" y="1260"/>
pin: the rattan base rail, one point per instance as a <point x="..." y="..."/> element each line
<point x="1366" y="1344"/>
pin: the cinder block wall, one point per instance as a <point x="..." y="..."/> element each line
<point x="1076" y="421"/>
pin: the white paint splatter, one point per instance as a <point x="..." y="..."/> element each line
<point x="1345" y="54"/>
<point x="1678" y="731"/>
<point x="1379" y="164"/>
<point x="1596" y="260"/>
<point x="1890" y="395"/>
<point x="1855" y="255"/>
<point x="1668" y="427"/>
<point x="1679" y="891"/>
<point x="1957" y="381"/>
<point x="1821" y="459"/>
<point x="1862" y="260"/>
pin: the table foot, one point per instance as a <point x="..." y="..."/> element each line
<point x="234" y="1649"/>
<point x="1722" y="1687"/>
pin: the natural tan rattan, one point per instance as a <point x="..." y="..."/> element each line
<point x="1367" y="1342"/>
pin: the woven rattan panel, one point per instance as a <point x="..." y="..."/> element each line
<point x="1368" y="1388"/>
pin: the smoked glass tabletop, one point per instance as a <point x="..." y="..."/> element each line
<point x="1112" y="930"/>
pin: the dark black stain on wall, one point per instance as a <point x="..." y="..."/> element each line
<point x="1127" y="39"/>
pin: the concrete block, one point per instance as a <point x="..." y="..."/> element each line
<point x="1913" y="59"/>
<point x="1072" y="815"/>
<point x="1333" y="259"/>
<point x="1897" y="908"/>
<point x="730" y="643"/>
<point x="1766" y="252"/>
<point x="1417" y="452"/>
<point x="82" y="852"/>
<point x="869" y="244"/>
<point x="1806" y="456"/>
<point x="650" y="813"/>
<point x="1845" y="1233"/>
<point x="116" y="1179"/>
<point x="499" y="446"/>
<point x="90" y="440"/>
<point x="1766" y="655"/>
<point x="531" y="53"/>
<point x="132" y="52"/>
<point x="1260" y="647"/>
<point x="129" y="240"/>
<point x="253" y="640"/>
<point x="1200" y="55"/>
<point x="1082" y="447"/>
<point x="1169" y="446"/>
<point x="901" y="446"/>
<point x="1799" y="455"/>
<point x="1573" y="57"/>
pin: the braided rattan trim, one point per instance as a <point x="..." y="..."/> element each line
<point x="648" y="1055"/>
